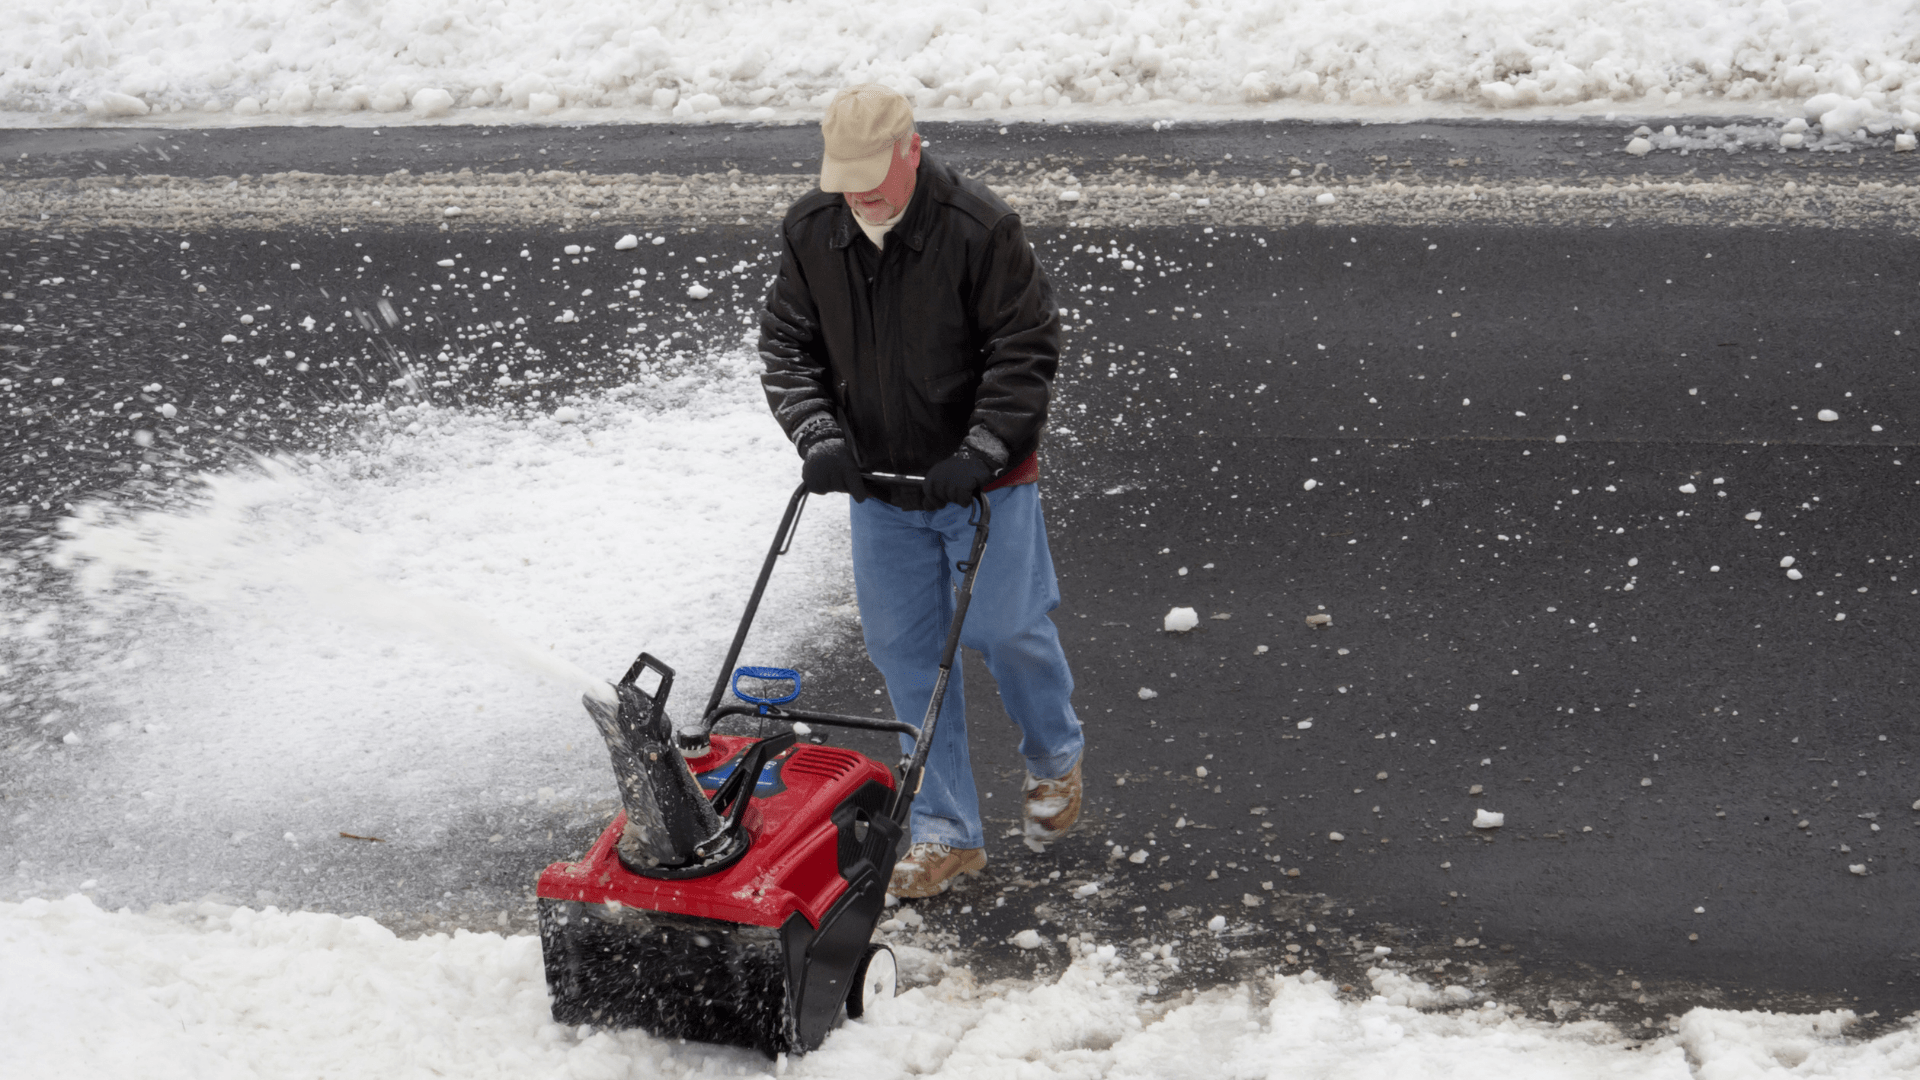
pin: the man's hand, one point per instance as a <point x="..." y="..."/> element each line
<point x="829" y="467"/>
<point x="956" y="479"/>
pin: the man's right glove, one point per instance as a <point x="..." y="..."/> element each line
<point x="829" y="467"/>
<point x="956" y="480"/>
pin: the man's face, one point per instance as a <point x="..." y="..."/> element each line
<point x="891" y="196"/>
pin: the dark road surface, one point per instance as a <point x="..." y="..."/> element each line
<point x="1542" y="479"/>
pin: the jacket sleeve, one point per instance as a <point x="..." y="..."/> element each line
<point x="795" y="375"/>
<point x="1020" y="327"/>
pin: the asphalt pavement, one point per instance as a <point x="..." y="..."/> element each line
<point x="1542" y="473"/>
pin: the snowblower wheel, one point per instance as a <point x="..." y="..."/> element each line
<point x="876" y="979"/>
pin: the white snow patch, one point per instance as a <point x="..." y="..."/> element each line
<point x="443" y="598"/>
<point x="1180" y="620"/>
<point x="1487" y="819"/>
<point x="210" y="990"/>
<point x="524" y="60"/>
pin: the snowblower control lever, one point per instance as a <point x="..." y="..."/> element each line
<point x="766" y="674"/>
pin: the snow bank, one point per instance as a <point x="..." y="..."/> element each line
<point x="494" y="60"/>
<point x="210" y="991"/>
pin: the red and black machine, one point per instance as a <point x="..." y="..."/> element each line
<point x="734" y="898"/>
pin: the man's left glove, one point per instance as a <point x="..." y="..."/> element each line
<point x="956" y="479"/>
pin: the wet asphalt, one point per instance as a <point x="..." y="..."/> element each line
<point x="1542" y="480"/>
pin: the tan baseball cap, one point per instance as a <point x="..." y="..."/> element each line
<point x="860" y="129"/>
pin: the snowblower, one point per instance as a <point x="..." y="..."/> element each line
<point x="734" y="897"/>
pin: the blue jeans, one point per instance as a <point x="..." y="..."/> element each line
<point x="904" y="575"/>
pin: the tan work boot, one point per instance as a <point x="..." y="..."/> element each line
<point x="930" y="869"/>
<point x="1052" y="806"/>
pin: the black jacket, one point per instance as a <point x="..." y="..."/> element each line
<point x="948" y="337"/>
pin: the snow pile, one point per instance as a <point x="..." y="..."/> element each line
<point x="1850" y="64"/>
<point x="214" y="991"/>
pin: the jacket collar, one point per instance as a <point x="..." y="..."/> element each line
<point x="928" y="185"/>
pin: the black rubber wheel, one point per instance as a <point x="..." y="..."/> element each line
<point x="876" y="979"/>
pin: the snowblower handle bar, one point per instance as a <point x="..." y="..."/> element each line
<point x="916" y="766"/>
<point x="804" y="716"/>
<point x="782" y="542"/>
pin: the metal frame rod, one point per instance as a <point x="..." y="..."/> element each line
<point x="916" y="766"/>
<point x="782" y="540"/>
<point x="805" y="716"/>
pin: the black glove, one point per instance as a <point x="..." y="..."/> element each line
<point x="956" y="479"/>
<point x="829" y="467"/>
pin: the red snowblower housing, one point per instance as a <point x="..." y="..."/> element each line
<point x="734" y="897"/>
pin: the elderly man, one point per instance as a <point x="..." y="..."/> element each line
<point x="911" y="331"/>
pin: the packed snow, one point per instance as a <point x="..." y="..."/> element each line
<point x="208" y="990"/>
<point x="1843" y="65"/>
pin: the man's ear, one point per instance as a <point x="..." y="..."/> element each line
<point x="913" y="155"/>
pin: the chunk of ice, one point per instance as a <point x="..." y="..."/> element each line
<point x="1487" y="819"/>
<point x="1180" y="620"/>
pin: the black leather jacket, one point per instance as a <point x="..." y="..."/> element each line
<point x="947" y="338"/>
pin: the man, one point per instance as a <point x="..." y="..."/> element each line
<point x="911" y="331"/>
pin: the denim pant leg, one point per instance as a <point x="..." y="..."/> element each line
<point x="901" y="576"/>
<point x="1008" y="624"/>
<point x="905" y="576"/>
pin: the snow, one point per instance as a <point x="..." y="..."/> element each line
<point x="209" y="990"/>
<point x="443" y="589"/>
<point x="487" y="61"/>
<point x="1487" y="819"/>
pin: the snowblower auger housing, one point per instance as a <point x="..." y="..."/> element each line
<point x="733" y="899"/>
